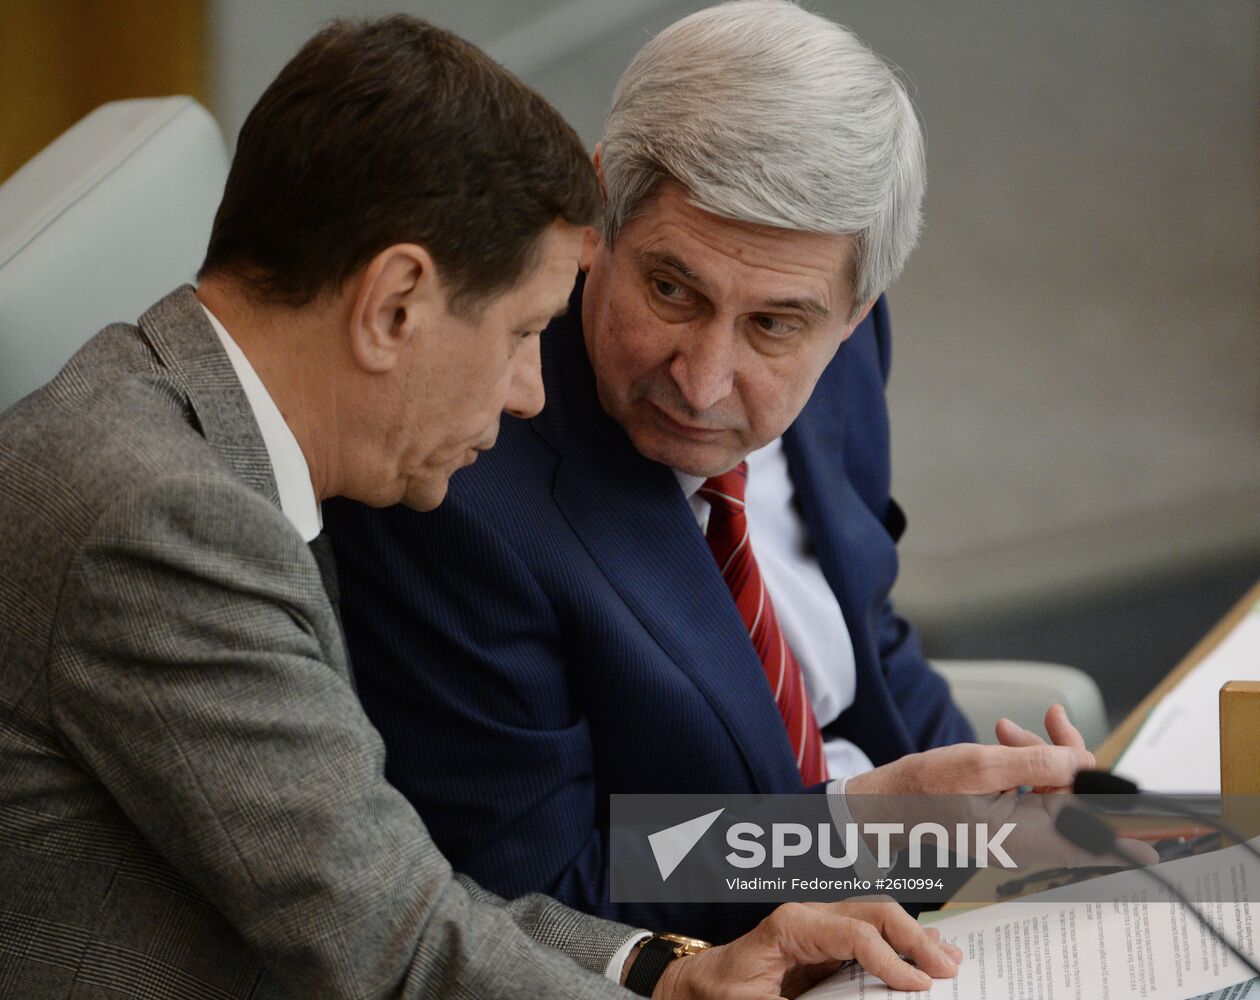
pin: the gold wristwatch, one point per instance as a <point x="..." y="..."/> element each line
<point x="655" y="954"/>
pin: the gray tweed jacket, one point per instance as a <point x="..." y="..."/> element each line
<point x="191" y="799"/>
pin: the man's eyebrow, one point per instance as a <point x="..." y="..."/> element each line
<point x="649" y="257"/>
<point x="811" y="307"/>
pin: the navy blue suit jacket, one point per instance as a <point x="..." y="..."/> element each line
<point x="558" y="631"/>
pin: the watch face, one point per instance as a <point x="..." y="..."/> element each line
<point x="686" y="945"/>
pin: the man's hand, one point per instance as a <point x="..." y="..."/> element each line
<point x="970" y="783"/>
<point x="800" y="943"/>
<point x="972" y="769"/>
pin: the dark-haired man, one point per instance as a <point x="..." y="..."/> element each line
<point x="193" y="802"/>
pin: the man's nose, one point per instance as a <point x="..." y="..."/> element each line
<point x="526" y="394"/>
<point x="703" y="366"/>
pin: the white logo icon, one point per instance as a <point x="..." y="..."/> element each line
<point x="674" y="843"/>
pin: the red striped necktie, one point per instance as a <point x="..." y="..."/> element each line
<point x="727" y="536"/>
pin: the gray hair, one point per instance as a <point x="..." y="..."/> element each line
<point x="769" y="114"/>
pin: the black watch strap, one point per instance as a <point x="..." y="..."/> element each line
<point x="649" y="965"/>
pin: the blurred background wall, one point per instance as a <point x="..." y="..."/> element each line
<point x="1076" y="386"/>
<point x="59" y="59"/>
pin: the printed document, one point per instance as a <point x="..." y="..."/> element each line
<point x="1118" y="937"/>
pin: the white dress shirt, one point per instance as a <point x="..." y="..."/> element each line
<point x="288" y="464"/>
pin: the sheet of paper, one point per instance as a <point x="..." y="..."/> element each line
<point x="1178" y="747"/>
<point x="1129" y="943"/>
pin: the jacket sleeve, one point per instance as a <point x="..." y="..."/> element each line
<point x="195" y="673"/>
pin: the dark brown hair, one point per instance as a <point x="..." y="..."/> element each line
<point x="394" y="131"/>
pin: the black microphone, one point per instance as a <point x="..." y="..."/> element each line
<point x="1106" y="783"/>
<point x="1086" y="831"/>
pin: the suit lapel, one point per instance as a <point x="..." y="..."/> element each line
<point x="184" y="340"/>
<point x="814" y="447"/>
<point x="633" y="520"/>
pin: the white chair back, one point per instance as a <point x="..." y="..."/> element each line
<point x="103" y="222"/>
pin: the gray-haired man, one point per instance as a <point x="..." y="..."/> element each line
<point x="716" y="390"/>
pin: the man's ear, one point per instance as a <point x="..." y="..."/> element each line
<point x="590" y="243"/>
<point x="397" y="293"/>
<point x="590" y="235"/>
<point x="857" y="320"/>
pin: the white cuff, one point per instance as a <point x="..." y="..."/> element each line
<point x="618" y="962"/>
<point x="864" y="865"/>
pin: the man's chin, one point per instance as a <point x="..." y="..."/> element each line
<point x="691" y="458"/>
<point x="425" y="496"/>
<point x="428" y="492"/>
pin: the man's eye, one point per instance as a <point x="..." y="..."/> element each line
<point x="667" y="289"/>
<point x="775" y="326"/>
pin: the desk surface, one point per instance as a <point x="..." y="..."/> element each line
<point x="1113" y="746"/>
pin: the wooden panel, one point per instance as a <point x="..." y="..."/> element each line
<point x="59" y="59"/>
<point x="1240" y="738"/>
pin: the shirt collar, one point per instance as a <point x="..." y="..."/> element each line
<point x="288" y="464"/>
<point x="690" y="484"/>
